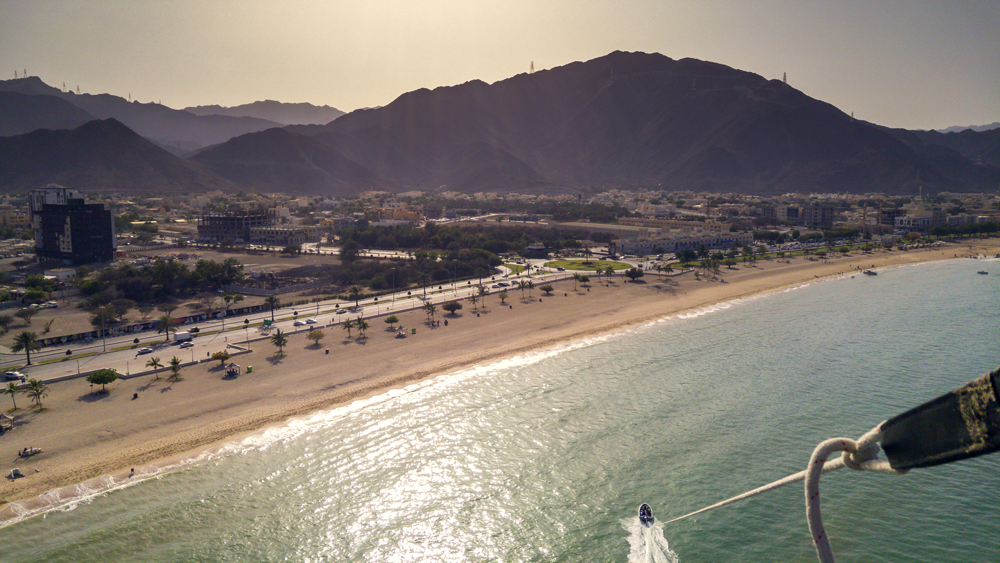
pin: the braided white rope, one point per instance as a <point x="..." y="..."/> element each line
<point x="861" y="455"/>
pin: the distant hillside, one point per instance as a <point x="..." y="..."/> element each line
<point x="977" y="128"/>
<point x="23" y="113"/>
<point x="278" y="112"/>
<point x="99" y="155"/>
<point x="633" y="119"/>
<point x="281" y="161"/>
<point x="151" y="120"/>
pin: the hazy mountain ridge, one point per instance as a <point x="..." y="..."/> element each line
<point x="625" y="119"/>
<point x="976" y="128"/>
<point x="101" y="154"/>
<point x="278" y="112"/>
<point x="168" y="126"/>
<point x="645" y="119"/>
<point x="24" y="113"/>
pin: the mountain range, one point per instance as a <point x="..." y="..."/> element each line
<point x="622" y="120"/>
<point x="278" y="112"/>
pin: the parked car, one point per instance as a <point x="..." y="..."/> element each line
<point x="50" y="305"/>
<point x="187" y="344"/>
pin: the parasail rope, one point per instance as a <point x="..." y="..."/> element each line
<point x="860" y="455"/>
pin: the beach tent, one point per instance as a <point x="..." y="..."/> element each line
<point x="233" y="370"/>
<point x="6" y="422"/>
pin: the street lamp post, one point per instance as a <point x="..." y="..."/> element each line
<point x="246" y="330"/>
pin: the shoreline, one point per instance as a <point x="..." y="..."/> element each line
<point x="202" y="414"/>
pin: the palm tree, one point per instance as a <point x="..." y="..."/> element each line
<point x="474" y="299"/>
<point x="430" y="309"/>
<point x="362" y="327"/>
<point x="154" y="363"/>
<point x="272" y="303"/>
<point x="37" y="391"/>
<point x="26" y="341"/>
<point x="348" y="325"/>
<point x="11" y="389"/>
<point x="175" y="368"/>
<point x="531" y="285"/>
<point x="280" y="340"/>
<point x="424" y="280"/>
<point x="522" y="286"/>
<point x="166" y="324"/>
<point x="483" y="292"/>
<point x="354" y="292"/>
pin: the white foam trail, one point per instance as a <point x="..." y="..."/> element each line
<point x="647" y="544"/>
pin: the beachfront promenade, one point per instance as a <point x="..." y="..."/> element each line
<point x="144" y="420"/>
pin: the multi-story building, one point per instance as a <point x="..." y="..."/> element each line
<point x="68" y="228"/>
<point x="234" y="225"/>
<point x="820" y="215"/>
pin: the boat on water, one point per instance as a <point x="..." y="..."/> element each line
<point x="870" y="273"/>
<point x="646" y="515"/>
<point x="983" y="273"/>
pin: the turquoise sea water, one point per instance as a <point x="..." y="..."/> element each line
<point x="546" y="457"/>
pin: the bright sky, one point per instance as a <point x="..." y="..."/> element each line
<point x="918" y="64"/>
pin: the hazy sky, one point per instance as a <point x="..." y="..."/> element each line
<point x="905" y="63"/>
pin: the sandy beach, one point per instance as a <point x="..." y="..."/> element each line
<point x="83" y="436"/>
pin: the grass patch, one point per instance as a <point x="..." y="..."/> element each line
<point x="515" y="268"/>
<point x="587" y="266"/>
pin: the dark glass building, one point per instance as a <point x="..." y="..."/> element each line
<point x="73" y="230"/>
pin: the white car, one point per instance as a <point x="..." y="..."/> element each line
<point x="187" y="344"/>
<point x="146" y="350"/>
<point x="341" y="311"/>
<point x="299" y="323"/>
<point x="310" y="321"/>
<point x="12" y="375"/>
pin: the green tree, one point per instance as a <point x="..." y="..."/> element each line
<point x="503" y="297"/>
<point x="229" y="299"/>
<point x="548" y="289"/>
<point x="222" y="356"/>
<point x="633" y="273"/>
<point x="280" y="340"/>
<point x="5" y="322"/>
<point x="102" y="377"/>
<point x="26" y="342"/>
<point x="11" y="389"/>
<point x="316" y="335"/>
<point x="37" y="391"/>
<point x="272" y="303"/>
<point x="452" y="307"/>
<point x="391" y="320"/>
<point x="347" y="325"/>
<point x="175" y="368"/>
<point x="26" y="314"/>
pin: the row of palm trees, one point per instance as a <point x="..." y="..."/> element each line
<point x="36" y="390"/>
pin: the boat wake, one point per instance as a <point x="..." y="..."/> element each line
<point x="647" y="543"/>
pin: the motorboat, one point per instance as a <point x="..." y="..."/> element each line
<point x="983" y="273"/>
<point x="870" y="273"/>
<point x="645" y="515"/>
